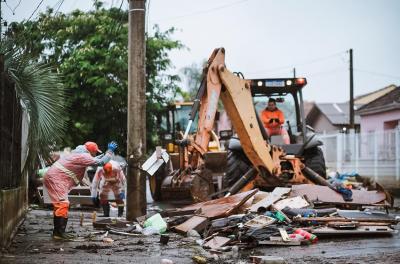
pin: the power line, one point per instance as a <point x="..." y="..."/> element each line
<point x="117" y="24"/>
<point x="16" y="6"/>
<point x="9" y="7"/>
<point x="326" y="72"/>
<point x="147" y="16"/>
<point x="308" y="62"/>
<point x="34" y="11"/>
<point x="203" y="11"/>
<point x="378" y="74"/>
<point x="62" y="2"/>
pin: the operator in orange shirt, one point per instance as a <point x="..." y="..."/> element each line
<point x="273" y="120"/>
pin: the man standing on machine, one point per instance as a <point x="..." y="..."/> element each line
<point x="273" y="120"/>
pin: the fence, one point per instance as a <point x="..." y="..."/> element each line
<point x="375" y="154"/>
<point x="10" y="133"/>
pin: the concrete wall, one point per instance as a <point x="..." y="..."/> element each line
<point x="376" y="122"/>
<point x="13" y="205"/>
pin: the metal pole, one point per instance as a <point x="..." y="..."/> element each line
<point x="339" y="150"/>
<point x="397" y="142"/>
<point x="356" y="149"/>
<point x="351" y="112"/>
<point x="136" y="141"/>
<point x="375" y="155"/>
<point x="1" y="19"/>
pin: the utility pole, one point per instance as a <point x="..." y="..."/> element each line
<point x="294" y="72"/>
<point x="351" y="110"/>
<point x="1" y="20"/>
<point x="136" y="141"/>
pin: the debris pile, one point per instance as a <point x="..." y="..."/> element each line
<point x="292" y="216"/>
<point x="300" y="215"/>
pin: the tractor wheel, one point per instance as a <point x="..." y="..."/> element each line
<point x="237" y="165"/>
<point x="314" y="159"/>
<point x="155" y="182"/>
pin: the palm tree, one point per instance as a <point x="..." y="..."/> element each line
<point x="43" y="96"/>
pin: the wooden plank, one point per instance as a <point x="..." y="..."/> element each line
<point x="293" y="202"/>
<point x="339" y="219"/>
<point x="198" y="223"/>
<point x="276" y="194"/>
<point x="278" y="243"/>
<point x="362" y="230"/>
<point x="223" y="206"/>
<point x="324" y="194"/>
<point x="217" y="242"/>
<point x="177" y="212"/>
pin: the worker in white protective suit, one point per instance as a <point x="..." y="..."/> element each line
<point x="110" y="180"/>
<point x="68" y="172"/>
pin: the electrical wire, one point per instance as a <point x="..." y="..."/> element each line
<point x="9" y="7"/>
<point x="62" y="2"/>
<point x="117" y="24"/>
<point x="294" y="65"/>
<point x="34" y="11"/>
<point x="16" y="6"/>
<point x="147" y="16"/>
<point x="202" y="11"/>
<point x="340" y="69"/>
<point x="377" y="73"/>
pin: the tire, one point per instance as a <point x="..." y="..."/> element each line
<point x="155" y="183"/>
<point x="237" y="165"/>
<point x="314" y="159"/>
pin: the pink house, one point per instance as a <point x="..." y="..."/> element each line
<point x="381" y="114"/>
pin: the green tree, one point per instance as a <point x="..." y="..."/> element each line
<point x="90" y="50"/>
<point x="43" y="95"/>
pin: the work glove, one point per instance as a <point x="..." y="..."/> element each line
<point x="112" y="146"/>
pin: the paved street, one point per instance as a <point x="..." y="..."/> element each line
<point x="33" y="244"/>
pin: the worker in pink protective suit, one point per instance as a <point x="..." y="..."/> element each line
<point x="68" y="172"/>
<point x="111" y="180"/>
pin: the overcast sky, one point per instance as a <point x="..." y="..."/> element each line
<point x="267" y="38"/>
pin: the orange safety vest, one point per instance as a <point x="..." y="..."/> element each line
<point x="267" y="115"/>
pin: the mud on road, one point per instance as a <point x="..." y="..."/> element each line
<point x="33" y="244"/>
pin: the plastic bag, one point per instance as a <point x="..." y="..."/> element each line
<point x="157" y="222"/>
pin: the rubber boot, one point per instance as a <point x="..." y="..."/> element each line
<point x="120" y="211"/>
<point x="64" y="222"/>
<point x="59" y="229"/>
<point x="106" y="210"/>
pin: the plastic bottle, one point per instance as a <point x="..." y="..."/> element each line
<point x="307" y="236"/>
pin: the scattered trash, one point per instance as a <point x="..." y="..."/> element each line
<point x="307" y="236"/>
<point x="166" y="261"/>
<point x="267" y="260"/>
<point x="81" y="219"/>
<point x="164" y="239"/>
<point x="260" y="221"/>
<point x="294" y="216"/>
<point x="217" y="242"/>
<point x="108" y="240"/>
<point x="192" y="233"/>
<point x="94" y="215"/>
<point x="150" y="230"/>
<point x="199" y="259"/>
<point x="156" y="222"/>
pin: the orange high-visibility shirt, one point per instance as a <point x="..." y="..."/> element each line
<point x="267" y="115"/>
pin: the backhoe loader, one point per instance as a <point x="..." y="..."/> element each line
<point x="253" y="159"/>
